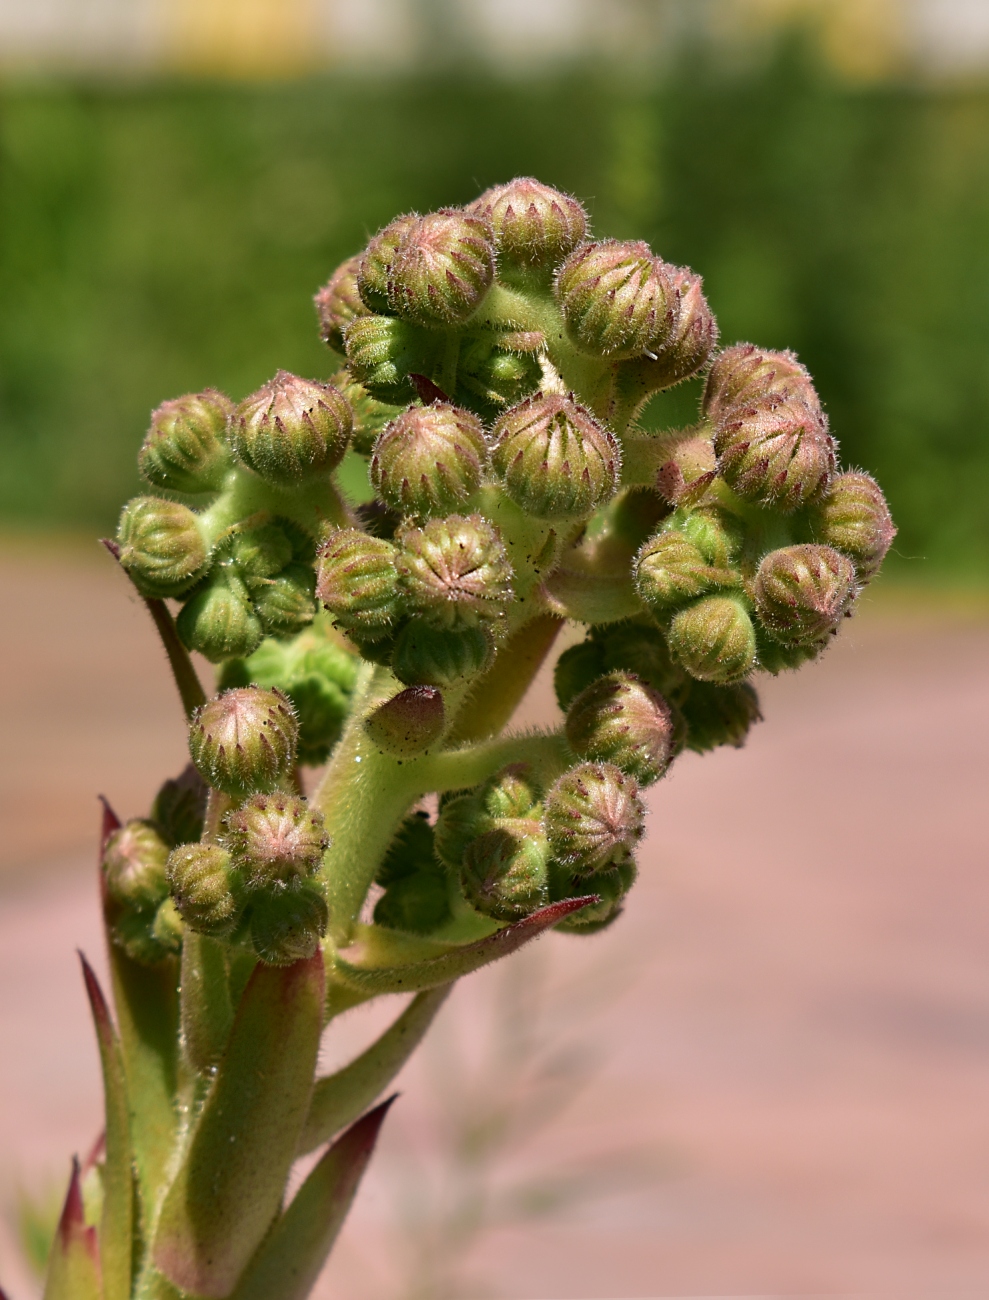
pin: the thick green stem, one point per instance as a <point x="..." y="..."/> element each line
<point x="495" y="697"/>
<point x="312" y="505"/>
<point x="457" y="769"/>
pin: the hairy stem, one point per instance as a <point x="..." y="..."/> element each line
<point x="495" y="697"/>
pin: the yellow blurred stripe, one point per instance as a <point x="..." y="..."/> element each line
<point x="252" y="38"/>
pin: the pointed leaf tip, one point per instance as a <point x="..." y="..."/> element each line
<point x="74" y="1263"/>
<point x="111" y="822"/>
<point x="111" y="546"/>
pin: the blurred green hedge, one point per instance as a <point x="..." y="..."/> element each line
<point x="158" y="238"/>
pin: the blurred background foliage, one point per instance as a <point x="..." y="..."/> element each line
<point x="165" y="233"/>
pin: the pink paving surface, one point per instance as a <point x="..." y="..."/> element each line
<point x="798" y="1043"/>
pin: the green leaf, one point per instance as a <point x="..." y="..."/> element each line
<point x="74" y="1263"/>
<point x="338" y="1099"/>
<point x="205" y="1001"/>
<point x="117" y="1220"/>
<point x="229" y="1186"/>
<point x="289" y="1261"/>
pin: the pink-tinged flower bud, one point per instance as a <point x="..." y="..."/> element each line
<point x="180" y="806"/>
<point x="370" y="415"/>
<point x="670" y="570"/>
<point x="535" y="226"/>
<point x="219" y="619"/>
<point x="430" y="460"/>
<point x="410" y="723"/>
<point x="618" y="300"/>
<point x="714" y="639"/>
<point x="204" y="887"/>
<point x="690" y="344"/>
<point x="243" y="740"/>
<point x="719" y="715"/>
<point x="383" y="352"/>
<point x="593" y="817"/>
<point x="357" y="581"/>
<point x="426" y="655"/>
<point x="689" y="471"/>
<point x="134" y="865"/>
<point x="338" y="303"/>
<point x="619" y="719"/>
<point x="443" y="267"/>
<point x="185" y="449"/>
<point x="275" y="839"/>
<point x="803" y="592"/>
<point x="285" y="604"/>
<point x="854" y="518"/>
<point x="292" y="429"/>
<point x="161" y="546"/>
<point x="503" y="875"/>
<point x="745" y="375"/>
<point x="374" y="268"/>
<point x="455" y="571"/>
<point x="287" y="925"/>
<point x="611" y="885"/>
<point x="555" y="459"/>
<point x="779" y="455"/>
<point x="496" y="372"/>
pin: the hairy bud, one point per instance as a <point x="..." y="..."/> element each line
<point x="690" y="344"/>
<point x="286" y="926"/>
<point x="338" y="303"/>
<point x="777" y="454"/>
<point x="719" y="715"/>
<point x="185" y="448"/>
<point x="148" y="937"/>
<point x="134" y="865"/>
<point x="503" y="874"/>
<point x="292" y="429"/>
<point x="455" y="571"/>
<point x="619" y="719"/>
<point x="430" y="460"/>
<point x="255" y="551"/>
<point x="745" y="375"/>
<point x="803" y="592"/>
<point x="180" y="806"/>
<point x="374" y="268"/>
<point x="285" y="604"/>
<point x="275" y="839"/>
<point x="535" y="226"/>
<point x="426" y="655"/>
<point x="370" y="414"/>
<point x="511" y="793"/>
<point x="442" y="268"/>
<point x="618" y="300"/>
<point x="575" y="670"/>
<point x="382" y="352"/>
<point x="554" y="457"/>
<point x="161" y="546"/>
<point x="593" y="817"/>
<point x="204" y="887"/>
<point x="714" y="639"/>
<point x="219" y="619"/>
<point x="671" y="570"/>
<point x="497" y="371"/>
<point x="357" y="581"/>
<point x="610" y="885"/>
<point x="409" y="723"/>
<point x="854" y="518"/>
<point x="243" y="740"/>
<point x="640" y="649"/>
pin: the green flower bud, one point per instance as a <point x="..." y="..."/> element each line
<point x="292" y="429"/>
<point x="503" y="875"/>
<point x="275" y="839"/>
<point x="243" y="741"/>
<point x="593" y="817"/>
<point x="719" y="715"/>
<point x="618" y="300"/>
<point x="462" y="818"/>
<point x="161" y="546"/>
<point x="554" y="457"/>
<point x="642" y="650"/>
<point x="374" y="269"/>
<point x="204" y="888"/>
<point x="778" y="454"/>
<point x="148" y="937"/>
<point x="256" y="551"/>
<point x="410" y="852"/>
<point x="442" y="268"/>
<point x="418" y="904"/>
<point x="134" y="865"/>
<point x="611" y="885"/>
<point x="185" y="448"/>
<point x="496" y="371"/>
<point x="430" y="460"/>
<point x="219" y="620"/>
<point x="455" y="571"/>
<point x="426" y="655"/>
<point x="338" y="303"/>
<point x="180" y="806"/>
<point x="575" y="670"/>
<point x="619" y="719"/>
<point x="383" y="352"/>
<point x="535" y="227"/>
<point x="803" y="592"/>
<point x="745" y="375"/>
<point x="167" y="928"/>
<point x="854" y="518"/>
<point x="285" y="604"/>
<point x="287" y="926"/>
<point x="714" y="639"/>
<point x="670" y="570"/>
<point x="409" y="723"/>
<point x="370" y="415"/>
<point x="357" y="581"/>
<point x="511" y="793"/>
<point x="691" y="342"/>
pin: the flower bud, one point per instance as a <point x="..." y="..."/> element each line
<point x="418" y="904"/>
<point x="409" y="723"/>
<point x="671" y="570"/>
<point x="854" y="518"/>
<point x="640" y="649"/>
<point x="719" y="715"/>
<point x="285" y="604"/>
<point x="777" y="454"/>
<point x="619" y="719"/>
<point x="338" y="303"/>
<point x="161" y="546"/>
<point x="511" y="793"/>
<point x="714" y="639"/>
<point x="374" y="268"/>
<point x="535" y="226"/>
<point x="462" y="818"/>
<point x="426" y="655"/>
<point x="370" y="415"/>
<point x="497" y="373"/>
<point x="255" y="551"/>
<point x="442" y="268"/>
<point x="803" y="592"/>
<point x="611" y="885"/>
<point x="180" y="806"/>
<point x="745" y="375"/>
<point x="167" y="927"/>
<point x="689" y="471"/>
<point x="357" y="581"/>
<point x="243" y="741"/>
<point x="383" y="352"/>
<point x="617" y="299"/>
<point x="410" y="852"/>
<point x="185" y="448"/>
<point x="455" y="572"/>
<point x="575" y="670"/>
<point x="204" y="887"/>
<point x="286" y="926"/>
<point x="275" y="839"/>
<point x="430" y="460"/>
<point x="593" y="817"/>
<point x="503" y="875"/>
<point x="148" y="937"/>
<point x="554" y="457"/>
<point x="134" y="865"/>
<point x="690" y="344"/>
<point x="292" y="429"/>
<point x="219" y="620"/>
